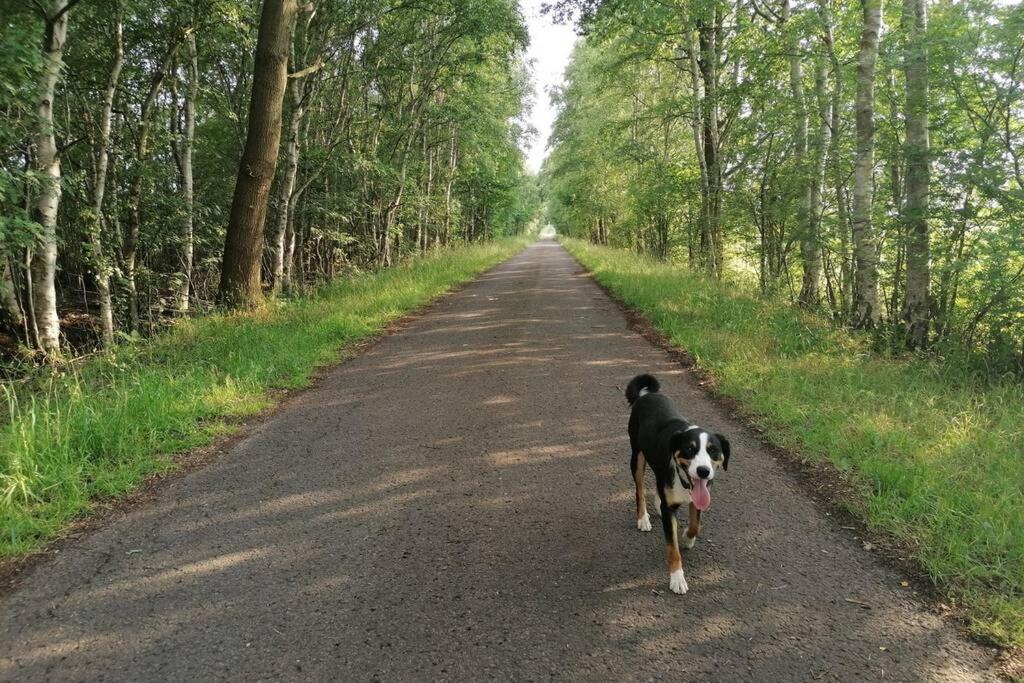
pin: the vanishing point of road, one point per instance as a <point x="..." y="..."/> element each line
<point x="455" y="504"/>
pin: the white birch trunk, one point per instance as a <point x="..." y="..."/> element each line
<point x="44" y="255"/>
<point x="100" y="263"/>
<point x="187" y="182"/>
<point x="866" y="313"/>
<point x="916" y="311"/>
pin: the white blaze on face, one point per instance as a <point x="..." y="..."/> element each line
<point x="702" y="459"/>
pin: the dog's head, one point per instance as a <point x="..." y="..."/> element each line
<point x="699" y="453"/>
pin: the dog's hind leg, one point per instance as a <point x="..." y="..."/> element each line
<point x="638" y="465"/>
<point x="676" y="577"/>
<point x="693" y="528"/>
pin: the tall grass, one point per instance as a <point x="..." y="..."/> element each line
<point x="95" y="432"/>
<point x="939" y="456"/>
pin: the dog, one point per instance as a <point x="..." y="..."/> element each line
<point x="684" y="458"/>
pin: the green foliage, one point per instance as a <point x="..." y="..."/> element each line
<point x="934" y="454"/>
<point x="93" y="431"/>
<point x="19" y="71"/>
<point x="626" y="170"/>
<point x="407" y="139"/>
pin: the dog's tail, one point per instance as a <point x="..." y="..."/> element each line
<point x="640" y="385"/>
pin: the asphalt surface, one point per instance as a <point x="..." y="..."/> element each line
<point x="455" y="503"/>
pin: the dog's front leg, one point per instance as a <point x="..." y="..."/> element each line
<point x="676" y="577"/>
<point x="693" y="528"/>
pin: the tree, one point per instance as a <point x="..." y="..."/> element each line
<point x="183" y="156"/>
<point x="866" y="310"/>
<point x="243" y="245"/>
<point x="935" y="251"/>
<point x="101" y="265"/>
<point x="916" y="311"/>
<point x="403" y="127"/>
<point x="44" y="257"/>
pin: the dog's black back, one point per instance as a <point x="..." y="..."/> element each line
<point x="652" y="422"/>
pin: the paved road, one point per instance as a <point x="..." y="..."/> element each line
<point x="455" y="504"/>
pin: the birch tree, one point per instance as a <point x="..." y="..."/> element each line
<point x="916" y="312"/>
<point x="866" y="312"/>
<point x="44" y="256"/>
<point x="101" y="263"/>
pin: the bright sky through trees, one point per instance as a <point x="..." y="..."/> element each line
<point x="550" y="46"/>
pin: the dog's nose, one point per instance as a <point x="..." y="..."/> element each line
<point x="703" y="472"/>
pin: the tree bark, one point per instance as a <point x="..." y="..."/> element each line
<point x="9" y="295"/>
<point x="284" y="201"/>
<point x="711" y="242"/>
<point x="44" y="253"/>
<point x="916" y="311"/>
<point x="243" y="245"/>
<point x="453" y="155"/>
<point x="101" y="266"/>
<point x="141" y="154"/>
<point x="835" y="163"/>
<point x="301" y="90"/>
<point x="810" y="292"/>
<point x="187" y="182"/>
<point x="697" y="120"/>
<point x="810" y="251"/>
<point x="866" y="314"/>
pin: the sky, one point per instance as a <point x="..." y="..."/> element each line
<point x="550" y="45"/>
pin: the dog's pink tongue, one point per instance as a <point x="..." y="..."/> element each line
<point x="701" y="495"/>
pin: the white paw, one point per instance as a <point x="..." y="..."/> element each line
<point x="688" y="542"/>
<point x="644" y="523"/>
<point x="677" y="582"/>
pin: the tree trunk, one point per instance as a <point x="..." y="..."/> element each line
<point x="101" y="265"/>
<point x="187" y="184"/>
<point x="290" y="241"/>
<point x="697" y="123"/>
<point x="138" y="180"/>
<point x="430" y="189"/>
<point x="9" y="295"/>
<point x="452" y="165"/>
<point x="805" y="217"/>
<point x="44" y="253"/>
<point x="243" y="245"/>
<point x="916" y="312"/>
<point x="835" y="163"/>
<point x="287" y="189"/>
<point x="866" y="314"/>
<point x="810" y="292"/>
<point x="707" y="35"/>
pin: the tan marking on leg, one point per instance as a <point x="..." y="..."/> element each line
<point x="693" y="529"/>
<point x="672" y="556"/>
<point x="638" y="479"/>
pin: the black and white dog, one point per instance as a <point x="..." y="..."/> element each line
<point x="684" y="459"/>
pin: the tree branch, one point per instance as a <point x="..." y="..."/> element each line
<point x="313" y="68"/>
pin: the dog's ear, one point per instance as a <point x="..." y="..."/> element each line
<point x="725" y="450"/>
<point x="675" y="442"/>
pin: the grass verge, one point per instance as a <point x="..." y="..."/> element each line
<point x="938" y="459"/>
<point x="95" y="432"/>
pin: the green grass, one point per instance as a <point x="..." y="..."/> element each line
<point x="938" y="459"/>
<point x="75" y="438"/>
